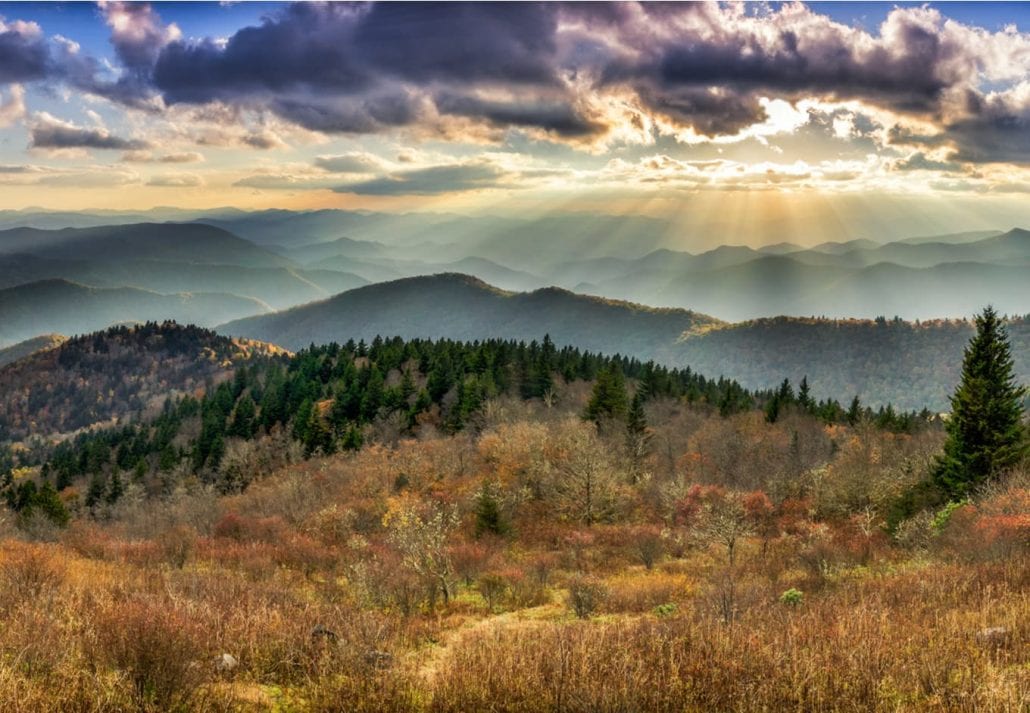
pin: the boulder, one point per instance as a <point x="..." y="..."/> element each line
<point x="992" y="636"/>
<point x="226" y="663"/>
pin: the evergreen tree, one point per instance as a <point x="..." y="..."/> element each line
<point x="49" y="503"/>
<point x="637" y="436"/>
<point x="805" y="400"/>
<point x="95" y="492"/>
<point x="609" y="396"/>
<point x="489" y="518"/>
<point x="854" y="412"/>
<point x="243" y="420"/>
<point x="115" y="489"/>
<point x="985" y="432"/>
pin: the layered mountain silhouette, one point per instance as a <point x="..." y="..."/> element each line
<point x="66" y="307"/>
<point x="458" y="306"/>
<point x="883" y="361"/>
<point x="195" y="243"/>
<point x="582" y="279"/>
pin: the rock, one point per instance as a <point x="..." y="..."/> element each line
<point x="226" y="663"/>
<point x="992" y="636"/>
<point x="318" y="631"/>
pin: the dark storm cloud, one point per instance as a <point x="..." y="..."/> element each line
<point x="559" y="117"/>
<point x="709" y="74"/>
<point x="24" y="55"/>
<point x="512" y="43"/>
<point x="344" y="69"/>
<point x="430" y="181"/>
<point x="992" y="138"/>
<point x="329" y="67"/>
<point x="48" y="133"/>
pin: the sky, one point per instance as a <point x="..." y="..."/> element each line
<point x="747" y="123"/>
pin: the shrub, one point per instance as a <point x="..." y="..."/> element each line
<point x="648" y="546"/>
<point x="663" y="611"/>
<point x="492" y="587"/>
<point x="28" y="572"/>
<point x="177" y="545"/>
<point x="586" y="595"/>
<point x="792" y="597"/>
<point x="157" y="647"/>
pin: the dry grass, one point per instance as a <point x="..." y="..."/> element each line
<point x="298" y="580"/>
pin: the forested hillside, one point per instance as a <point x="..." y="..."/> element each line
<point x="912" y="365"/>
<point x="170" y="398"/>
<point x="120" y="373"/>
<point x="30" y="346"/>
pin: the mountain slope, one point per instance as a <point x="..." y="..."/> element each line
<point x="462" y="307"/>
<point x="180" y="242"/>
<point x="118" y="373"/>
<point x="907" y="364"/>
<point x="70" y="308"/>
<point x="30" y="346"/>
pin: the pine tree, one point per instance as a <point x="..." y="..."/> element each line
<point x="243" y="420"/>
<point x="95" y="492"/>
<point x="985" y="431"/>
<point x="115" y="489"/>
<point x="637" y="436"/>
<point x="805" y="400"/>
<point x="609" y="396"/>
<point x="489" y="517"/>
<point x="854" y="412"/>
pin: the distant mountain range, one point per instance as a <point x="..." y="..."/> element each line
<point x="580" y="278"/>
<point x="909" y="365"/>
<point x="176" y="242"/>
<point x="70" y="308"/>
<point x="463" y="307"/>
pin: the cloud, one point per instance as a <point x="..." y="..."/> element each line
<point x="137" y="33"/>
<point x="433" y="180"/>
<point x="997" y="131"/>
<point x="12" y="109"/>
<point x="263" y="140"/>
<point x="559" y="117"/>
<point x="176" y="180"/>
<point x="48" y="132"/>
<point x="90" y="177"/>
<point x="580" y="74"/>
<point x="919" y="161"/>
<point x="150" y="157"/>
<point x="355" y="162"/>
<point x="344" y="69"/>
<point x="24" y="54"/>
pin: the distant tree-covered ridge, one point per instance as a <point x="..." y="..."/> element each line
<point x="909" y="364"/>
<point x="251" y="409"/>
